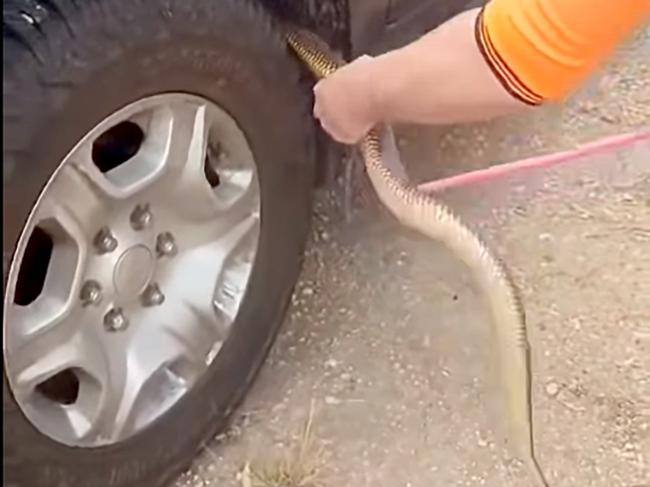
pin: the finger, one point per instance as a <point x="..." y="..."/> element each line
<point x="318" y="110"/>
<point x="330" y="129"/>
<point x="342" y="132"/>
<point x="337" y="133"/>
<point x="321" y="111"/>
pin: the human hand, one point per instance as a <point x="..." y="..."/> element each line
<point x="344" y="102"/>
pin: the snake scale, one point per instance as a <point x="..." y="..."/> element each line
<point x="422" y="213"/>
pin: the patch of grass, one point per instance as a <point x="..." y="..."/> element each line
<point x="302" y="465"/>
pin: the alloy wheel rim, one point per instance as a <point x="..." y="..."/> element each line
<point x="131" y="269"/>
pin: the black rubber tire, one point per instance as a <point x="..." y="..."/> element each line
<point x="70" y="63"/>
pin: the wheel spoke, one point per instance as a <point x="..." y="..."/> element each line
<point x="52" y="350"/>
<point x="54" y="345"/>
<point x="204" y="278"/>
<point x="68" y="215"/>
<point x="76" y="202"/>
<point x="142" y="384"/>
<point x="237" y="266"/>
<point x="237" y="182"/>
<point x="185" y="186"/>
<point x="197" y="234"/>
<point x="42" y="355"/>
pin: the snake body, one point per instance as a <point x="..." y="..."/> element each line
<point x="422" y="213"/>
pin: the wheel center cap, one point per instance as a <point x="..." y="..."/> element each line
<point x="133" y="271"/>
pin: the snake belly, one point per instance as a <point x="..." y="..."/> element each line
<point x="422" y="213"/>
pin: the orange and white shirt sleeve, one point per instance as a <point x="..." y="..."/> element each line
<point x="542" y="49"/>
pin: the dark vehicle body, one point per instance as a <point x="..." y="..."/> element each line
<point x="369" y="26"/>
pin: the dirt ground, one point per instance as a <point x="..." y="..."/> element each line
<point x="389" y="339"/>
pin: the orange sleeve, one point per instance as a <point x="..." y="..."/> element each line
<point x="542" y="49"/>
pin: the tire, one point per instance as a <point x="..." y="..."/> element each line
<point x="68" y="64"/>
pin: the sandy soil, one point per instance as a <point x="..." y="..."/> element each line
<point x="390" y="339"/>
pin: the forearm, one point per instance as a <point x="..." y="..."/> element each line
<point x="440" y="78"/>
<point x="520" y="53"/>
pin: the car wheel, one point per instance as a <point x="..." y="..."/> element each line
<point x="158" y="171"/>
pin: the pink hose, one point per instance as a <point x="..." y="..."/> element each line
<point x="593" y="148"/>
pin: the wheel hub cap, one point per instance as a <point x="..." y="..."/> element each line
<point x="131" y="268"/>
<point x="133" y="271"/>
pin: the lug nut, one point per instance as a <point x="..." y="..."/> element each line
<point x="114" y="320"/>
<point x="165" y="245"/>
<point x="141" y="217"/>
<point x="152" y="295"/>
<point x="104" y="241"/>
<point x="91" y="293"/>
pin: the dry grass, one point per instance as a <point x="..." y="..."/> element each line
<point x="302" y="465"/>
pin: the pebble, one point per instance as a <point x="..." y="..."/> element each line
<point x="331" y="363"/>
<point x="332" y="401"/>
<point x="552" y="389"/>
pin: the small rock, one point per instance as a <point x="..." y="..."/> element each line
<point x="331" y="363"/>
<point x="332" y="401"/>
<point x="607" y="118"/>
<point x="587" y="106"/>
<point x="308" y="291"/>
<point x="575" y="323"/>
<point x="627" y="198"/>
<point x="552" y="389"/>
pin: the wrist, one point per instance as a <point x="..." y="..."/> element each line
<point x="375" y="89"/>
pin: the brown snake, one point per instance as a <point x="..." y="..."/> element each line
<point x="419" y="211"/>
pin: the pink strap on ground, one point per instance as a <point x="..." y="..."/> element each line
<point x="598" y="147"/>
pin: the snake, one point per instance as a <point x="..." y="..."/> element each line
<point x="422" y="213"/>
